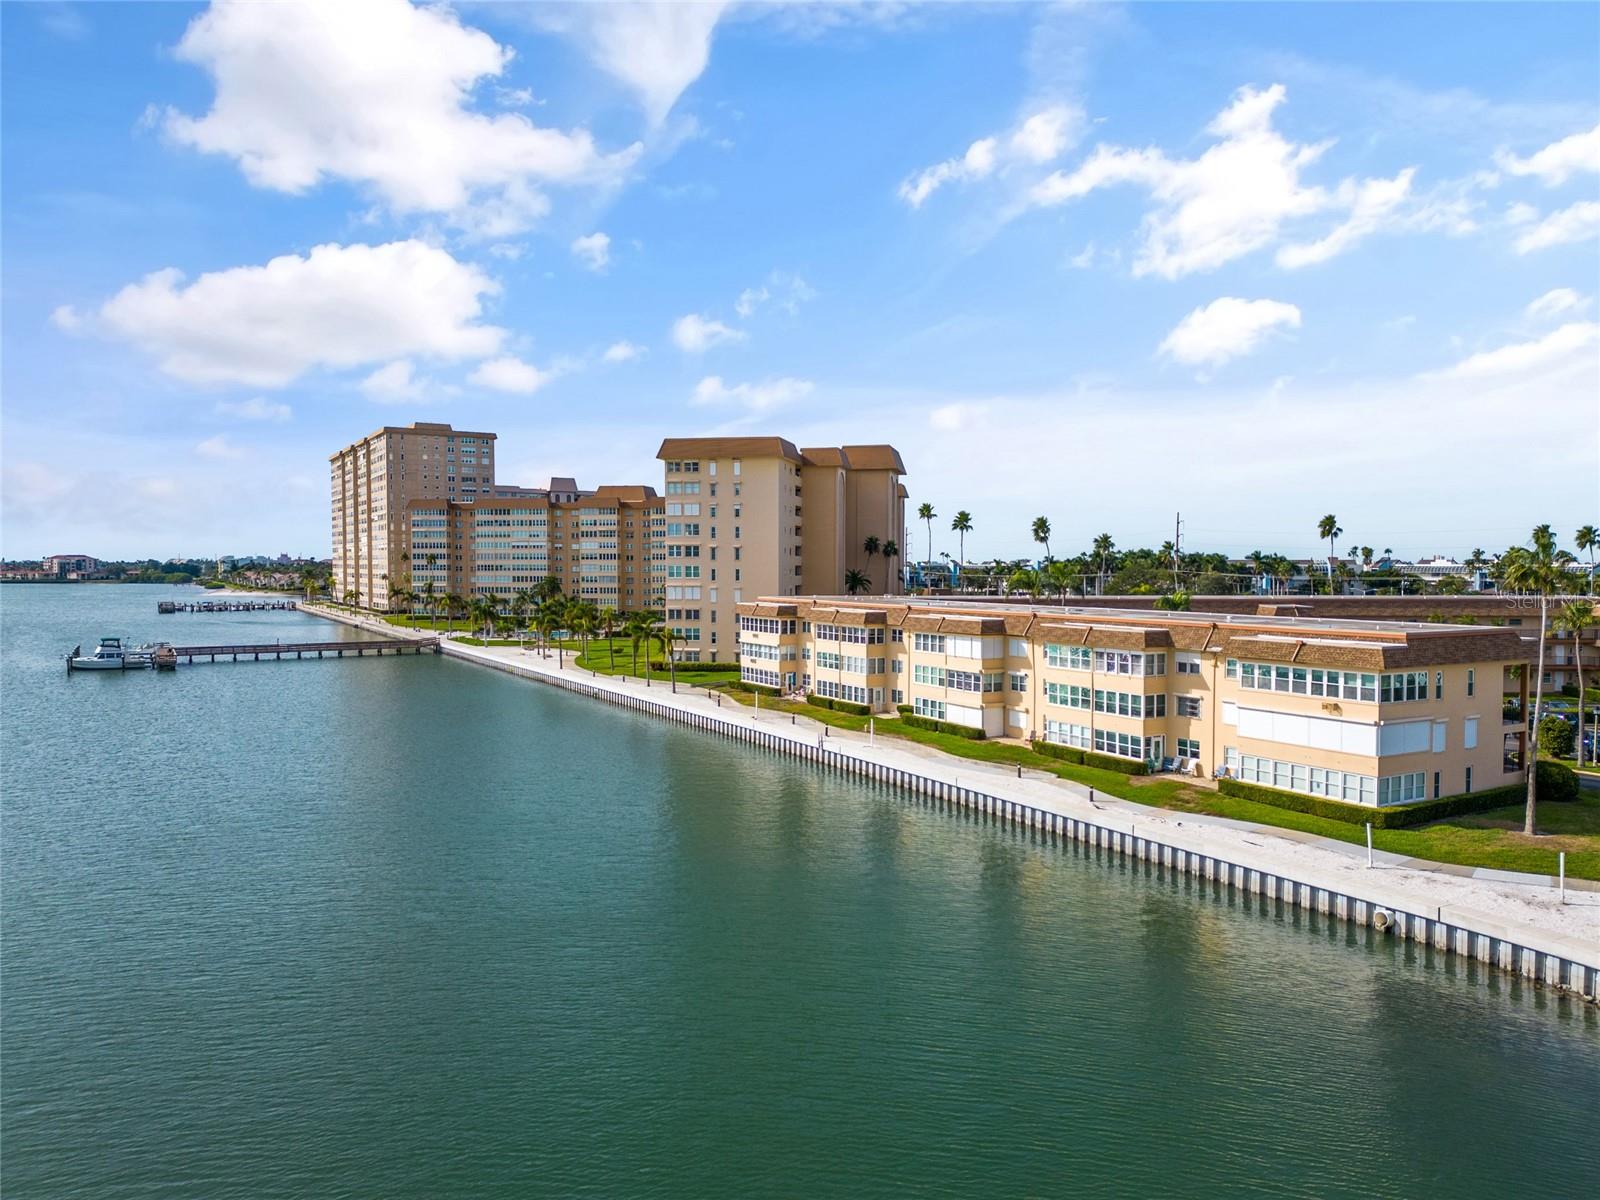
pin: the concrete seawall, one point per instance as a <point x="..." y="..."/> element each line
<point x="1556" y="959"/>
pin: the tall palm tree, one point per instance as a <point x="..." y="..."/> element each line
<point x="607" y="623"/>
<point x="547" y="620"/>
<point x="666" y="637"/>
<point x="453" y="604"/>
<point x="1588" y="538"/>
<point x="1041" y="533"/>
<point x="963" y="526"/>
<point x="548" y="588"/>
<point x="1574" y="617"/>
<point x="1023" y="579"/>
<point x="1366" y="555"/>
<point x="925" y="513"/>
<point x="855" y="582"/>
<point x="1328" y="529"/>
<point x="891" y="551"/>
<point x="870" y="548"/>
<point x="427" y="595"/>
<point x="483" y="613"/>
<point x="308" y="581"/>
<point x="640" y="627"/>
<point x="1103" y="546"/>
<point x="1539" y="568"/>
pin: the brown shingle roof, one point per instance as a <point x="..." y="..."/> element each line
<point x="875" y="458"/>
<point x="729" y="447"/>
<point x="824" y="456"/>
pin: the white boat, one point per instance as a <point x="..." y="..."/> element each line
<point x="107" y="656"/>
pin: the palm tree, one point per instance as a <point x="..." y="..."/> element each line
<point x="547" y="621"/>
<point x="1328" y="529"/>
<point x="308" y="581"/>
<point x="1057" y="576"/>
<point x="963" y="526"/>
<point x="666" y="637"/>
<point x="1023" y="579"/>
<point x="891" y="551"/>
<point x="870" y="548"/>
<point x="1175" y="602"/>
<point x="925" y="513"/>
<point x="1587" y="538"/>
<point x="855" y="582"/>
<point x="1041" y="533"/>
<point x="427" y="595"/>
<point x="1539" y="568"/>
<point x="1574" y="617"/>
<point x="548" y="588"/>
<point x="607" y="624"/>
<point x="482" y="611"/>
<point x="453" y="604"/>
<point x="640" y="627"/>
<point x="1103" y="546"/>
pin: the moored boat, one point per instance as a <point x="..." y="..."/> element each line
<point x="108" y="656"/>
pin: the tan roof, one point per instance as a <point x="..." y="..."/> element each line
<point x="901" y="489"/>
<point x="627" y="493"/>
<point x="875" y="458"/>
<point x="729" y="447"/>
<point x="824" y="456"/>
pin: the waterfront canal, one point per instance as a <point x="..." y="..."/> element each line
<point x="407" y="927"/>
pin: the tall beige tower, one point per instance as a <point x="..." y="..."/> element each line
<point x="373" y="484"/>
<point x="756" y="516"/>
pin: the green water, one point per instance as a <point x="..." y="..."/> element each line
<point x="407" y="927"/>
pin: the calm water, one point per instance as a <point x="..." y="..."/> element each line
<point x="406" y="927"/>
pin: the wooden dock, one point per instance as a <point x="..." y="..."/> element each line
<point x="226" y="606"/>
<point x="191" y="654"/>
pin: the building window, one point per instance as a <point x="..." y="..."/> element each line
<point x="924" y="707"/>
<point x="1188" y="706"/>
<point x="1188" y="747"/>
<point x="1472" y="684"/>
<point x="1019" y="682"/>
<point x="1469" y="779"/>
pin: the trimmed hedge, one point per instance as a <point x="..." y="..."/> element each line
<point x="1091" y="758"/>
<point x="1557" y="782"/>
<point x="961" y="731"/>
<point x="739" y="685"/>
<point x="660" y="664"/>
<point x="844" y="706"/>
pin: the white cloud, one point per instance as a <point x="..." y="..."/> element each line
<point x="593" y="250"/>
<point x="1036" y="140"/>
<point x="952" y="418"/>
<point x="1578" y="223"/>
<point x="1521" y="214"/>
<point x="1372" y="204"/>
<point x="1227" y="328"/>
<point x="1559" y="161"/>
<point x="218" y="447"/>
<point x="1235" y="198"/>
<point x="337" y="307"/>
<point x="66" y="318"/>
<point x="508" y="374"/>
<point x="619" y="352"/>
<point x="1572" y="342"/>
<point x="1555" y="302"/>
<point x="376" y="92"/>
<point x="786" y="289"/>
<point x="695" y="334"/>
<point x="394" y="383"/>
<point x="749" y="300"/>
<point x="757" y="397"/>
<point x="656" y="50"/>
<point x="254" y="409"/>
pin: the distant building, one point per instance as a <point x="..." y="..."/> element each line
<point x="70" y="566"/>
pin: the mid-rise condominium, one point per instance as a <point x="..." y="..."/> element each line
<point x="1369" y="712"/>
<point x="756" y="516"/>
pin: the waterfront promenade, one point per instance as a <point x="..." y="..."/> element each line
<point x="1518" y="910"/>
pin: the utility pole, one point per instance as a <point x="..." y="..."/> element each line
<point x="1177" y="549"/>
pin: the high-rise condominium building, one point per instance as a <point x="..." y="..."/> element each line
<point x="374" y="484"/>
<point x="754" y="516"/>
<point x="597" y="544"/>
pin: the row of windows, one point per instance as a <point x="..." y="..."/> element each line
<point x="1402" y="789"/>
<point x="828" y="660"/>
<point x="860" y="634"/>
<point x="1296" y="777"/>
<point x="975" y="681"/>
<point x="1063" y="734"/>
<point x="1125" y="745"/>
<point x="1120" y="704"/>
<point x="841" y="691"/>
<point x="1305" y="681"/>
<point x="766" y="625"/>
<point x="766" y="653"/>
<point x="1076" y="658"/>
<point x="758" y="675"/>
<point x="924" y="707"/>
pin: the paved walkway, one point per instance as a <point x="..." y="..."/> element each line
<point x="1488" y="897"/>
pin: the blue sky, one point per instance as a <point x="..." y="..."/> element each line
<point x="1254" y="262"/>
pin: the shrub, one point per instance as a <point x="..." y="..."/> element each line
<point x="1089" y="758"/>
<point x="1555" y="782"/>
<point x="960" y="731"/>
<point x="1556" y="737"/>
<point x="739" y="685"/>
<point x="1397" y="816"/>
<point x="844" y="706"/>
<point x="660" y="664"/>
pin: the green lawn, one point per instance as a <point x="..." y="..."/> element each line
<point x="616" y="658"/>
<point x="1490" y="839"/>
